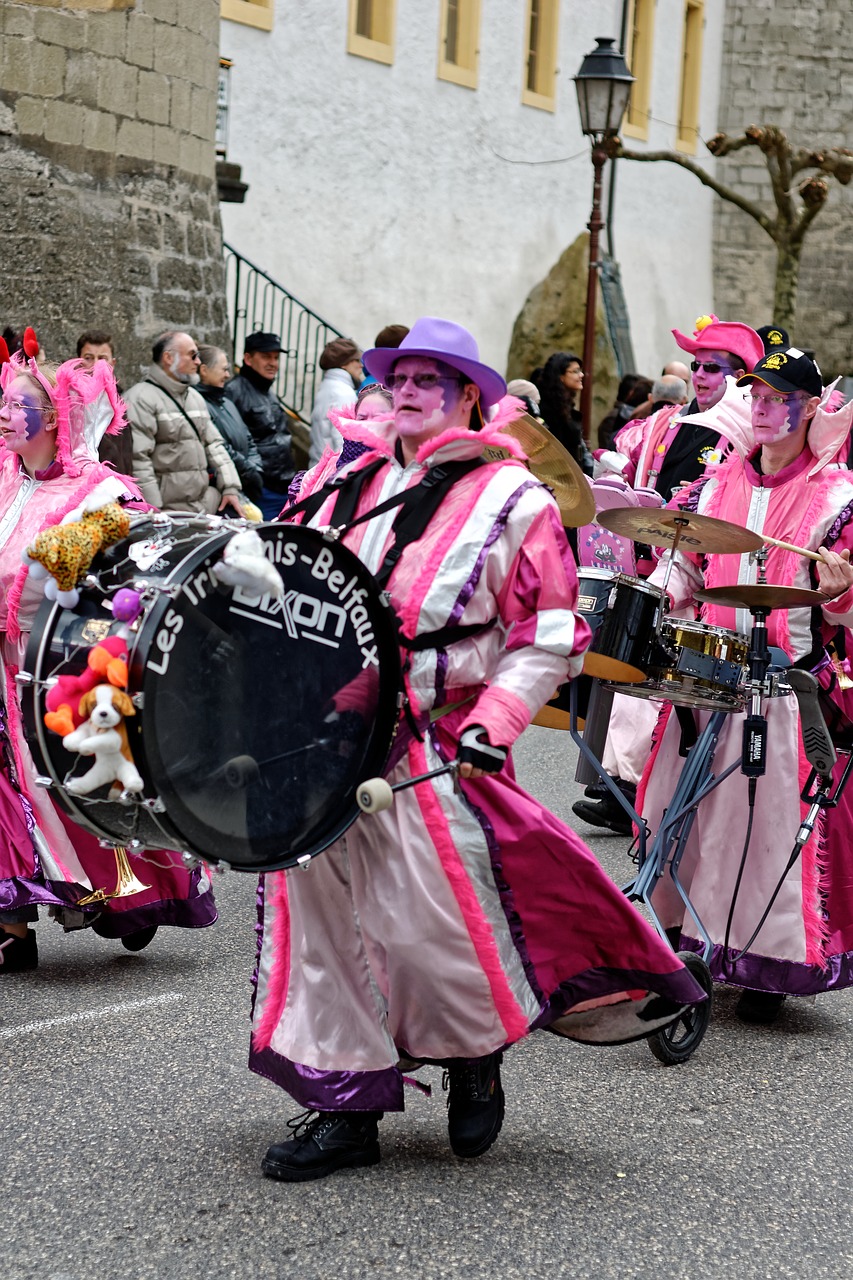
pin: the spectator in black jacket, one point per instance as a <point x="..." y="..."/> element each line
<point x="214" y="372"/>
<point x="261" y="410"/>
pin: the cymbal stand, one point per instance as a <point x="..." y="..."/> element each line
<point x="681" y="523"/>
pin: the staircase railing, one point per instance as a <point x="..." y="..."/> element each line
<point x="256" y="301"/>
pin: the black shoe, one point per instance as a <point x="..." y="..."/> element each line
<point x="138" y="941"/>
<point x="330" y="1141"/>
<point x="760" y="1007"/>
<point x="475" y="1105"/>
<point x="607" y="812"/>
<point x="17" y="955"/>
<point x="596" y="791"/>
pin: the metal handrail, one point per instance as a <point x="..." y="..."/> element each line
<point x="256" y="301"/>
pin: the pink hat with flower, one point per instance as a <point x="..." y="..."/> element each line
<point x="712" y="334"/>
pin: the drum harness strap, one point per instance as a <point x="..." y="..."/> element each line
<point x="418" y="506"/>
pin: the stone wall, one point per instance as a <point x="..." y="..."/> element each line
<point x="787" y="63"/>
<point x="108" y="208"/>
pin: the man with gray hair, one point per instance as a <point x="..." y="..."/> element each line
<point x="668" y="390"/>
<point x="176" y="447"/>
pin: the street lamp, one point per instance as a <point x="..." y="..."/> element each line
<point x="603" y="86"/>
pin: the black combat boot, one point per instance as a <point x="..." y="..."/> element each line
<point x="322" y="1143"/>
<point x="475" y="1105"/>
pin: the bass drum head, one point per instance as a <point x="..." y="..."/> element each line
<point x="261" y="716"/>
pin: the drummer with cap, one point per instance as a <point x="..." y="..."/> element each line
<point x="789" y="488"/>
<point x="446" y="928"/>
<point x="671" y="448"/>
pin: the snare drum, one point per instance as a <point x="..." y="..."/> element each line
<point x="256" y="718"/>
<point x="622" y="612"/>
<point x="697" y="665"/>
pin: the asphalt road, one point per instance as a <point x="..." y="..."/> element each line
<point x="133" y="1133"/>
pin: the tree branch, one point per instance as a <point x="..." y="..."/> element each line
<point x="725" y="193"/>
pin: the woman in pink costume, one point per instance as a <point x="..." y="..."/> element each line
<point x="792" y="487"/>
<point x="449" y="926"/>
<point x="51" y="423"/>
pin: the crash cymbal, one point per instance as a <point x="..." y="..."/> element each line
<point x="659" y="527"/>
<point x="761" y="595"/>
<point x="554" y="466"/>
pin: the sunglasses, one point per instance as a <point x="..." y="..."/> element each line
<point x="709" y="366"/>
<point x="423" y="381"/>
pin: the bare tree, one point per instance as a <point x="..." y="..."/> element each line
<point x="796" y="206"/>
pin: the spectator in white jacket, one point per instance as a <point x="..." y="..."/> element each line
<point x="342" y="376"/>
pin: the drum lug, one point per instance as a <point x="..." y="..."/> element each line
<point x="154" y="805"/>
<point x="41" y="780"/>
<point x="138" y="700"/>
<point x="385" y="597"/>
<point x="330" y="533"/>
<point x="161" y="521"/>
<point x="190" y="861"/>
<point x="304" y="862"/>
<point x="402" y="700"/>
<point x="127" y="798"/>
<point x="141" y="584"/>
<point x="25" y="679"/>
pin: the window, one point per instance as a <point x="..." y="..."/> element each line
<point x="253" y="13"/>
<point x="371" y="29"/>
<point x="460" y="37"/>
<point x="640" y="58"/>
<point x="540" y="70"/>
<point x="691" y="76"/>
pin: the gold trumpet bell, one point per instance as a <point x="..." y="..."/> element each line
<point x="127" y="882"/>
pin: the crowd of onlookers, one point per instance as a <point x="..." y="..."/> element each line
<point x="203" y="439"/>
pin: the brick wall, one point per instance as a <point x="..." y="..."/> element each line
<point x="108" y="208"/>
<point x="787" y="62"/>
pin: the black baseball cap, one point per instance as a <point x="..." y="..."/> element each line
<point x="773" y="336"/>
<point x="263" y="342"/>
<point x="790" y="370"/>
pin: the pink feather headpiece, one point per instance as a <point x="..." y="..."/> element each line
<point x="87" y="405"/>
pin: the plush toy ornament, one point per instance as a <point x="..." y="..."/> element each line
<point x="63" y="554"/>
<point x="104" y="736"/>
<point x="244" y="564"/>
<point x="107" y="661"/>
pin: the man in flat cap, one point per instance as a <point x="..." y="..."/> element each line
<point x="260" y="408"/>
<point x="342" y="376"/>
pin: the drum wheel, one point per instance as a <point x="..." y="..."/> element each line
<point x="677" y="1042"/>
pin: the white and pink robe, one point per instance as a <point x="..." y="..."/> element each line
<point x="46" y="860"/>
<point x="457" y="921"/>
<point x="806" y="944"/>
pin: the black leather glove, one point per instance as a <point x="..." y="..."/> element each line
<point x="475" y="749"/>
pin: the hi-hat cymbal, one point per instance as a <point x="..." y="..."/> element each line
<point x="761" y="595"/>
<point x="658" y="526"/>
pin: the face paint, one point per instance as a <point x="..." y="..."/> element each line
<point x="23" y="417"/>
<point x="772" y="423"/>
<point x="710" y="387"/>
<point x="420" y="414"/>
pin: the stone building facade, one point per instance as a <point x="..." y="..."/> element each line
<point x="787" y="63"/>
<point x="109" y="215"/>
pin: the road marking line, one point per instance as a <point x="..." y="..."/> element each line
<point x="8" y="1032"/>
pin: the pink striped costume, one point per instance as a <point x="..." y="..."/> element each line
<point x="45" y="859"/>
<point x="455" y="922"/>
<point x="806" y="945"/>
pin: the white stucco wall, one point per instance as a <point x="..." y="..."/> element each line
<point x="381" y="193"/>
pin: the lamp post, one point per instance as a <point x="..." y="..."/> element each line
<point x="603" y="86"/>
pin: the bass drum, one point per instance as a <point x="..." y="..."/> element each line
<point x="256" y="718"/>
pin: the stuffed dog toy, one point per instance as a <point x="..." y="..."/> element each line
<point x="106" y="662"/>
<point x="104" y="736"/>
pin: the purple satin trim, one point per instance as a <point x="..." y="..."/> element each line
<point x="259" y="941"/>
<point x="838" y="524"/>
<point x="494" y="533"/>
<point x="764" y="973"/>
<point x="19" y="892"/>
<point x="351" y="450"/>
<point x="180" y="913"/>
<point x="331" y="1090"/>
<point x="680" y="987"/>
<point x="504" y="892"/>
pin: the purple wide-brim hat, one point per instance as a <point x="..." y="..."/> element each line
<point x="439" y="340"/>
